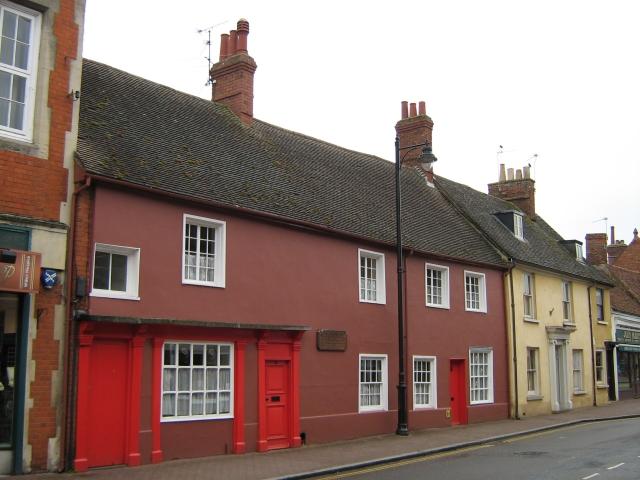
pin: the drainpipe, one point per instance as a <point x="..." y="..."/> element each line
<point x="69" y="381"/>
<point x="513" y="336"/>
<point x="593" y="353"/>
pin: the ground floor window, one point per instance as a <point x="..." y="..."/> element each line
<point x="578" y="376"/>
<point x="424" y="382"/>
<point x="533" y="372"/>
<point x="481" y="375"/>
<point x="601" y="375"/>
<point x="197" y="381"/>
<point x="373" y="382"/>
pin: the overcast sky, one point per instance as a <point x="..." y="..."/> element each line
<point x="560" y="79"/>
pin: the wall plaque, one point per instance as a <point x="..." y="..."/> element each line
<point x="331" y="340"/>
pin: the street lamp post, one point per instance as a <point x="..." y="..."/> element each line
<point x="426" y="157"/>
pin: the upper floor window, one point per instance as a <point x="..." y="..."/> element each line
<point x="197" y="381"/>
<point x="18" y="65"/>
<point x="527" y="296"/>
<point x="372" y="278"/>
<point x="373" y="383"/>
<point x="566" y="302"/>
<point x="203" y="260"/>
<point x="481" y="375"/>
<point x="600" y="305"/>
<point x="424" y="382"/>
<point x="115" y="272"/>
<point x="518" y="230"/>
<point x="475" y="292"/>
<point x="437" y="285"/>
<point x="579" y="254"/>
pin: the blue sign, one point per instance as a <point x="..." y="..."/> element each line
<point x="48" y="278"/>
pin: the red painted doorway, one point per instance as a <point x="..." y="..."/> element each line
<point x="107" y="403"/>
<point x="277" y="373"/>
<point x="458" y="391"/>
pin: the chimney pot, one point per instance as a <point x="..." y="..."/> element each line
<point x="224" y="46"/>
<point x="422" y="108"/>
<point x="405" y="110"/>
<point x="613" y="235"/>
<point x="233" y="42"/>
<point x="412" y="110"/>
<point x="503" y="174"/>
<point x="526" y="172"/>
<point x="509" y="173"/>
<point x="635" y="233"/>
<point x="243" y="32"/>
<point x="518" y="174"/>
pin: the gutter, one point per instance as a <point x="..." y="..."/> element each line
<point x="514" y="343"/>
<point x="69" y="375"/>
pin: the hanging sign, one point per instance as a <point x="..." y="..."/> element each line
<point x="19" y="271"/>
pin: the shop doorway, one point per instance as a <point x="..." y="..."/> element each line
<point x="10" y="313"/>
<point x="628" y="373"/>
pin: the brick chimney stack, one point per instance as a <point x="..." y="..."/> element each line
<point x="596" y="248"/>
<point x="518" y="189"/>
<point x="233" y="74"/>
<point x="415" y="127"/>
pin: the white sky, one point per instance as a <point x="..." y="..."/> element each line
<point x="558" y="78"/>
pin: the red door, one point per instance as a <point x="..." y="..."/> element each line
<point x="107" y="403"/>
<point x="458" y="391"/>
<point x="277" y="402"/>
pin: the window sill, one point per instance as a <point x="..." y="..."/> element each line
<point x="474" y="311"/>
<point x="569" y="324"/>
<point x="579" y="393"/>
<point x="195" y="419"/>
<point x="422" y="408"/>
<point x="373" y="410"/>
<point x="534" y="397"/>
<point x="600" y="322"/>
<point x="483" y="402"/>
<point x="203" y="284"/>
<point x="602" y="386"/>
<point x="114" y="296"/>
<point x="530" y="320"/>
<point x="372" y="302"/>
<point x="441" y="307"/>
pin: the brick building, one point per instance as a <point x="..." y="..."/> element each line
<point x="40" y="69"/>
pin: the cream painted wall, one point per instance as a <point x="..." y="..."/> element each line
<point x="532" y="333"/>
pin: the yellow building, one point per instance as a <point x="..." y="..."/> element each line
<point x="557" y="306"/>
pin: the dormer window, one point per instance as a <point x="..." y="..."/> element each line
<point x="518" y="231"/>
<point x="574" y="247"/>
<point x="513" y="220"/>
<point x="579" y="255"/>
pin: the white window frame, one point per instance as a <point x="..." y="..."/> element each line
<point x="577" y="370"/>
<point x="380" y="291"/>
<point x="433" y="384"/>
<point x="579" y="253"/>
<point x="567" y="310"/>
<point x="384" y="400"/>
<point x="601" y="370"/>
<point x="26" y="133"/>
<point x="133" y="272"/>
<point x="482" y="293"/>
<point x="444" y="275"/>
<point x="600" y="306"/>
<point x="518" y="226"/>
<point x="474" y="375"/>
<point x="204" y="390"/>
<point x="528" y="293"/>
<point x="533" y="371"/>
<point x="220" y="228"/>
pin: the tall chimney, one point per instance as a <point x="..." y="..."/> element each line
<point x="596" y="248"/>
<point x="233" y="74"/>
<point x="519" y="190"/>
<point x="414" y="128"/>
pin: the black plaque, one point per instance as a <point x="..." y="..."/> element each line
<point x="331" y="340"/>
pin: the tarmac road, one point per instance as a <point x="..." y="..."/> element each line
<point x="604" y="450"/>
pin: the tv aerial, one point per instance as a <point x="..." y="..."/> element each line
<point x="208" y="30"/>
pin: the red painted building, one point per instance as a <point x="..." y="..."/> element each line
<point x="236" y="282"/>
<point x="40" y="69"/>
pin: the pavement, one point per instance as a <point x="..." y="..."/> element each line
<point x="325" y="459"/>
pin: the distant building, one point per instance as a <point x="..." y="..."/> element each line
<point x="622" y="262"/>
<point x="40" y="68"/>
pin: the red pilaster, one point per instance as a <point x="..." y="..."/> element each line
<point x="133" y="454"/>
<point x="295" y="393"/>
<point x="262" y="407"/>
<point x="156" y="399"/>
<point x="81" y="462"/>
<point x="239" y="445"/>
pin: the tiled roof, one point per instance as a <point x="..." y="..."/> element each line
<point x="625" y="296"/>
<point x="541" y="247"/>
<point x="147" y="134"/>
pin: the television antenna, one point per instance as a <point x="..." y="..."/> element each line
<point x="208" y="30"/>
<point x="606" y="223"/>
